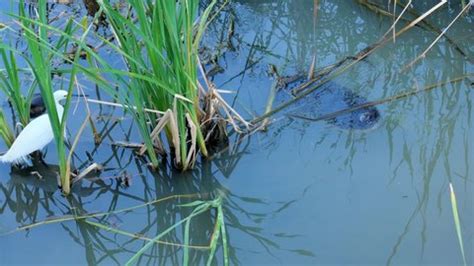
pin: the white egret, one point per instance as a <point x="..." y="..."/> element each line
<point x="35" y="136"/>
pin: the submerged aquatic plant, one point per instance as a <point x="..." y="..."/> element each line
<point x="199" y="207"/>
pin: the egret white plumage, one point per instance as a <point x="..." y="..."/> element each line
<point x="35" y="136"/>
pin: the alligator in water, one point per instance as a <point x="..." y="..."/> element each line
<point x="331" y="98"/>
<point x="328" y="99"/>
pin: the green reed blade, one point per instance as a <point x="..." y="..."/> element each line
<point x="457" y="222"/>
<point x="5" y="132"/>
<point x="186" y="242"/>
<point x="214" y="241"/>
<point x="225" y="245"/>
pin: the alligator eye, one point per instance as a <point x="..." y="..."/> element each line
<point x="370" y="116"/>
<point x="364" y="117"/>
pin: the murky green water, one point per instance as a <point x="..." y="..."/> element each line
<point x="302" y="192"/>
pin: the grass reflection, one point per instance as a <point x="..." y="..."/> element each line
<point x="116" y="234"/>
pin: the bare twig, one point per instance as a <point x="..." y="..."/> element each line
<point x="121" y="106"/>
<point x="100" y="214"/>
<point x="127" y="145"/>
<point x="393" y="27"/>
<point x="415" y="91"/>
<point x="422" y="55"/>
<point x="342" y="68"/>
<point x="93" y="167"/>
<point x="192" y="149"/>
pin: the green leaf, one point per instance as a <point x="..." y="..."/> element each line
<point x="457" y="222"/>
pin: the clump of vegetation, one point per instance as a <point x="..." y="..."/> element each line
<point x="11" y="85"/>
<point x="158" y="82"/>
<point x="36" y="35"/>
<point x="159" y="43"/>
<point x="41" y="51"/>
<point x="163" y="71"/>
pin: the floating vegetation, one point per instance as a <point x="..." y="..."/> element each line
<point x="199" y="208"/>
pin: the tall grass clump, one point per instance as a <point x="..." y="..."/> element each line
<point x="11" y="86"/>
<point x="159" y="41"/>
<point x="39" y="58"/>
<point x="12" y="75"/>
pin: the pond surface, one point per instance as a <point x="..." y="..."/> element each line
<point x="301" y="192"/>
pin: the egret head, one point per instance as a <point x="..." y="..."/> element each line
<point x="60" y="95"/>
